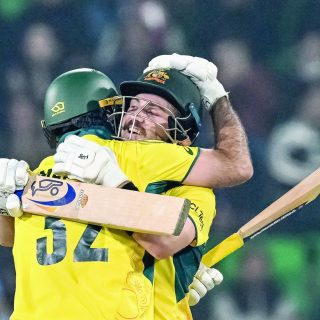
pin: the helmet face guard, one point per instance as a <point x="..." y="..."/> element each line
<point x="173" y="132"/>
<point x="177" y="89"/>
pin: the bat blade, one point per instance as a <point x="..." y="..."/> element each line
<point x="296" y="198"/>
<point x="115" y="208"/>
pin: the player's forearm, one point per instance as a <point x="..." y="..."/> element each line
<point x="162" y="247"/>
<point x="6" y="231"/>
<point x="229" y="163"/>
<point x="231" y="142"/>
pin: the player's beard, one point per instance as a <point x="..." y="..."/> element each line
<point x="138" y="132"/>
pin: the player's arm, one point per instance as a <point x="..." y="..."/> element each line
<point x="229" y="163"/>
<point x="196" y="228"/>
<point x="88" y="161"/>
<point x="6" y="231"/>
<point x="162" y="247"/>
<point x="13" y="176"/>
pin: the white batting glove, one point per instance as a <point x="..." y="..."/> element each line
<point x="87" y="161"/>
<point x="201" y="71"/>
<point x="13" y="176"/>
<point x="205" y="279"/>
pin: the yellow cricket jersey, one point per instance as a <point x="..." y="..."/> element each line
<point x="70" y="270"/>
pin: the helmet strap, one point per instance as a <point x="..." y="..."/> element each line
<point x="195" y="114"/>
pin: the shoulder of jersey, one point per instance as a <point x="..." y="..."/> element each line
<point x="46" y="163"/>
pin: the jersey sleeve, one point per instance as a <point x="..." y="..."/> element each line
<point x="202" y="210"/>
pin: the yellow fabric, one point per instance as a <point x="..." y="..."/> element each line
<point x="223" y="249"/>
<point x="202" y="209"/>
<point x="75" y="290"/>
<point x="174" y="275"/>
<point x="146" y="162"/>
<point x="113" y="287"/>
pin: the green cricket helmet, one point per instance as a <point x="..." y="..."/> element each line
<point x="179" y="90"/>
<point x="72" y="103"/>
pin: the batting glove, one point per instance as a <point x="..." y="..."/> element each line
<point x="87" y="161"/>
<point x="205" y="279"/>
<point x="13" y="176"/>
<point x="201" y="71"/>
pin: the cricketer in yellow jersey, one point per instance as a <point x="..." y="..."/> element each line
<point x="136" y="125"/>
<point x="63" y="266"/>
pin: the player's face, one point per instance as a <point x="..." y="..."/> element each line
<point x="147" y="118"/>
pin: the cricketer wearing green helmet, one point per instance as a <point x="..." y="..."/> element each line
<point x="72" y="105"/>
<point x="165" y="97"/>
<point x="212" y="167"/>
<point x="66" y="112"/>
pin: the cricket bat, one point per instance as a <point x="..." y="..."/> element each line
<point x="115" y="208"/>
<point x="296" y="198"/>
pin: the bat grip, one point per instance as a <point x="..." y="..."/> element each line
<point x="3" y="209"/>
<point x="19" y="193"/>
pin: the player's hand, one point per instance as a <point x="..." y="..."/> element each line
<point x="87" y="161"/>
<point x="205" y="279"/>
<point x="201" y="71"/>
<point x="13" y="176"/>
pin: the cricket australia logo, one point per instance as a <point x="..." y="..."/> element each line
<point x="160" y="76"/>
<point x="50" y="188"/>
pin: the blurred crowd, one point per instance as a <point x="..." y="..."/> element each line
<point x="268" y="56"/>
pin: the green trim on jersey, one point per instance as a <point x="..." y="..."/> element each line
<point x="195" y="228"/>
<point x="193" y="163"/>
<point x="148" y="261"/>
<point x="161" y="186"/>
<point x="186" y="263"/>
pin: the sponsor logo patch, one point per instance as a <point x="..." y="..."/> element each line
<point x="57" y="108"/>
<point x="189" y="150"/>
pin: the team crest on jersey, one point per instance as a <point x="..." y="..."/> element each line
<point x="160" y="76"/>
<point x="57" y="108"/>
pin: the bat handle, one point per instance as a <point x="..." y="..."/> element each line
<point x="19" y="193"/>
<point x="3" y="209"/>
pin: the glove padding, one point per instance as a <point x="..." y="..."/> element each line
<point x="87" y="161"/>
<point x="205" y="279"/>
<point x="201" y="71"/>
<point x="13" y="176"/>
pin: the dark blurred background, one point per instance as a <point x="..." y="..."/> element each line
<point x="268" y="55"/>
